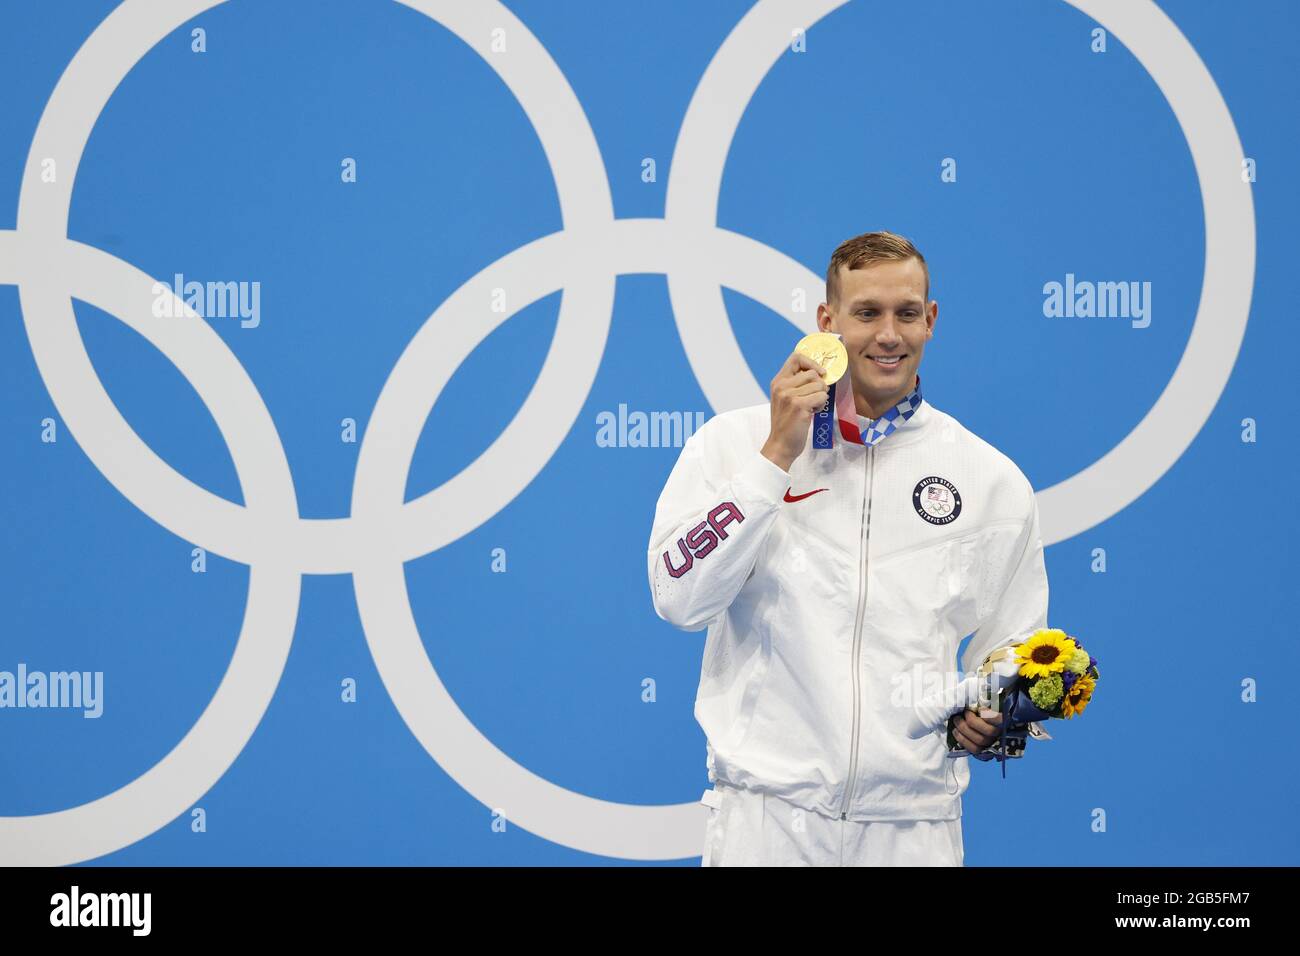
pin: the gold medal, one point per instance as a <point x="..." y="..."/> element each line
<point x="826" y="349"/>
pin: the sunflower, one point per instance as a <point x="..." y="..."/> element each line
<point x="1077" y="697"/>
<point x="1046" y="652"/>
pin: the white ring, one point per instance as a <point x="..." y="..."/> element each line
<point x="199" y="760"/>
<point x="49" y="270"/>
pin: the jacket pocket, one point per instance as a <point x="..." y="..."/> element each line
<point x="965" y="584"/>
<point x="922" y="579"/>
<point x="960" y="561"/>
<point x="737" y="660"/>
<point x="757" y="679"/>
<point x="921" y="602"/>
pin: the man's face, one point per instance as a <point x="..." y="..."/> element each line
<point x="882" y="314"/>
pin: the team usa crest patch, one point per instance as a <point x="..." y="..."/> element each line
<point x="936" y="500"/>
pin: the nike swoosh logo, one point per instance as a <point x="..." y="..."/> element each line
<point x="790" y="497"/>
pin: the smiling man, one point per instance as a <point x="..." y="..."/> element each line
<point x="884" y="353"/>
<point x="839" y="541"/>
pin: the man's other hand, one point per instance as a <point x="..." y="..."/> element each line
<point x="974" y="732"/>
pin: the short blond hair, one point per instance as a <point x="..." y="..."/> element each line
<point x="868" y="248"/>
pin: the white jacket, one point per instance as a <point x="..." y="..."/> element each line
<point x="828" y="613"/>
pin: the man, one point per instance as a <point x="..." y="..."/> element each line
<point x="837" y="583"/>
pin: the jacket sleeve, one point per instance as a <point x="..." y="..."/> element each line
<point x="1020" y="610"/>
<point x="1022" y="607"/>
<point x="709" y="530"/>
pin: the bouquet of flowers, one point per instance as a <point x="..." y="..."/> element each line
<point x="1048" y="675"/>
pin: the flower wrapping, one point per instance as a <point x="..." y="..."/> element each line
<point x="1047" y="675"/>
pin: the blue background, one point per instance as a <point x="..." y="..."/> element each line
<point x="225" y="165"/>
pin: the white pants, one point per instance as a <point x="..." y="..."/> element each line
<point x="746" y="828"/>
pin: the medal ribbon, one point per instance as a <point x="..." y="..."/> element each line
<point x="840" y="409"/>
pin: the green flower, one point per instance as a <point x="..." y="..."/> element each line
<point x="1079" y="662"/>
<point x="1047" y="691"/>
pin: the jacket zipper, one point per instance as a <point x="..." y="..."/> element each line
<point x="857" y="631"/>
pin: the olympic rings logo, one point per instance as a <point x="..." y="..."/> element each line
<point x="584" y="260"/>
